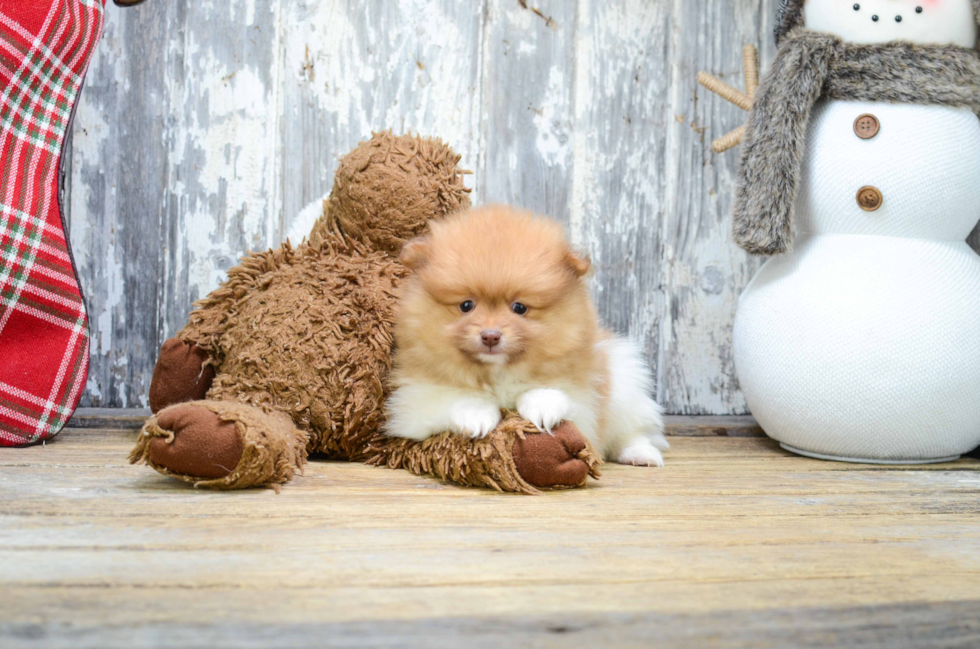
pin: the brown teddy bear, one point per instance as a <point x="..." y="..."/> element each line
<point x="291" y="355"/>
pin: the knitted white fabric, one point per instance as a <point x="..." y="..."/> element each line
<point x="864" y="343"/>
<point x="925" y="160"/>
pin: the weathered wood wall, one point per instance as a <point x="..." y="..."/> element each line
<point x="206" y="125"/>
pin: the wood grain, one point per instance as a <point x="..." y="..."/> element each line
<point x="622" y="116"/>
<point x="118" y="188"/>
<point x="205" y="127"/>
<point x="949" y="624"/>
<point x="121" y="419"/>
<point x="733" y="542"/>
<point x="704" y="273"/>
<point x="127" y="419"/>
<point x="527" y="95"/>
<point x="350" y="68"/>
<point x="174" y="173"/>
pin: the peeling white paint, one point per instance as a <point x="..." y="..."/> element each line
<point x="226" y="150"/>
<point x="92" y="388"/>
<point x="552" y="129"/>
<point x="113" y="290"/>
<point x="585" y="194"/>
<point x="591" y="118"/>
<point x="410" y="66"/>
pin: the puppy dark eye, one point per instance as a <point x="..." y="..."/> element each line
<point x="467" y="306"/>
<point x="518" y="308"/>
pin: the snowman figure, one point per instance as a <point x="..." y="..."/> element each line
<point x="859" y="339"/>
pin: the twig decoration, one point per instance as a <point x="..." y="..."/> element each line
<point x="743" y="100"/>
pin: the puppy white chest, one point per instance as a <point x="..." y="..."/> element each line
<point x="506" y="389"/>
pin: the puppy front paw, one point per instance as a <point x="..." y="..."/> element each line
<point x="474" y="417"/>
<point x="545" y="408"/>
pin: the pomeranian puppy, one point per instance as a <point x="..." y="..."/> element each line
<point x="497" y="315"/>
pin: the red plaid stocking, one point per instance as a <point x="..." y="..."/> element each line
<point x="45" y="47"/>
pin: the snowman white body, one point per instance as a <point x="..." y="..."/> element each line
<point x="863" y="343"/>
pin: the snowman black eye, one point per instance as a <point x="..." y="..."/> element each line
<point x="518" y="308"/>
<point x="918" y="10"/>
<point x="874" y="18"/>
<point x="467" y="306"/>
<point x="857" y="7"/>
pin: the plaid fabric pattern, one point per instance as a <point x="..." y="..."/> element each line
<point x="45" y="47"/>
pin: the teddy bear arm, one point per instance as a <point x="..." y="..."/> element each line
<point x="515" y="457"/>
<point x="183" y="373"/>
<point x="214" y="315"/>
<point x="187" y="363"/>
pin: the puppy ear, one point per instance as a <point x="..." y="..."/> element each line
<point x="579" y="263"/>
<point x="415" y="253"/>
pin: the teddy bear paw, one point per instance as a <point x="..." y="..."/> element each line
<point x="201" y="444"/>
<point x="553" y="460"/>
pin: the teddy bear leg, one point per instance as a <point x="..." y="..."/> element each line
<point x="515" y="457"/>
<point x="181" y="375"/>
<point x="222" y="445"/>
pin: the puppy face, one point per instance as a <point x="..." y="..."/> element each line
<point x="494" y="286"/>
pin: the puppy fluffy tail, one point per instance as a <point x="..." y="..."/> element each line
<point x="632" y="411"/>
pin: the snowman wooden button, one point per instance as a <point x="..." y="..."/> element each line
<point x="866" y="126"/>
<point x="869" y="198"/>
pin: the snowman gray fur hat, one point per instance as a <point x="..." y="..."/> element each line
<point x="790" y="15"/>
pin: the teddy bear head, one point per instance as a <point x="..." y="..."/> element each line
<point x="387" y="190"/>
<point x="925" y="22"/>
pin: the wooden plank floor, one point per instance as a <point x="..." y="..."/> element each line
<point x="734" y="543"/>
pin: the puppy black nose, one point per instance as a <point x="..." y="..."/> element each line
<point x="490" y="337"/>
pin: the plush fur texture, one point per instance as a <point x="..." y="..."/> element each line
<point x="810" y="66"/>
<point x="387" y="190"/>
<point x="326" y="307"/>
<point x="497" y="316"/>
<point x="499" y="460"/>
<point x="788" y="16"/>
<point x="273" y="450"/>
<point x="306" y="358"/>
<point x="299" y="340"/>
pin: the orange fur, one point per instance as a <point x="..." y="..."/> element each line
<point x="496" y="256"/>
